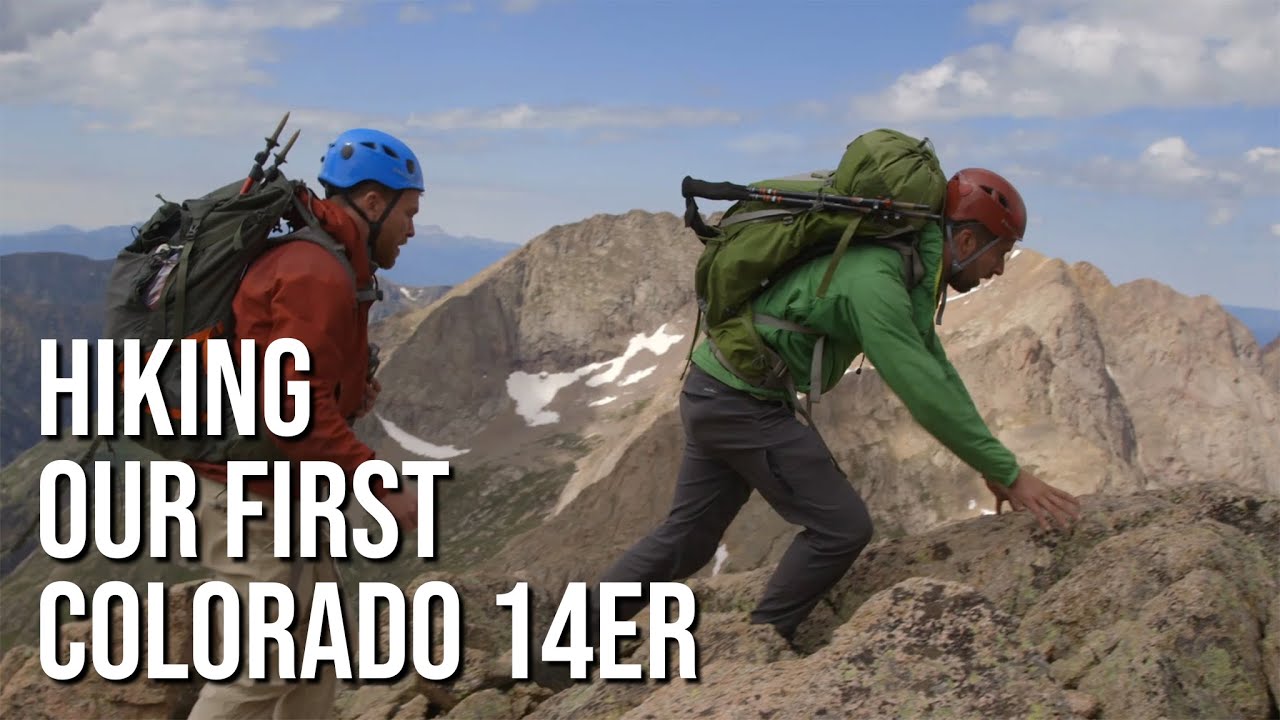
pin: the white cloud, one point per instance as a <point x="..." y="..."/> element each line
<point x="1275" y="229"/>
<point x="995" y="13"/>
<point x="1265" y="158"/>
<point x="1222" y="216"/>
<point x="1169" y="167"/>
<point x="1074" y="57"/>
<point x="411" y="13"/>
<point x="527" y="117"/>
<point x="1172" y="159"/>
<point x="766" y="143"/>
<point x="814" y="109"/>
<point x="21" y="21"/>
<point x="417" y="11"/>
<point x="519" y="6"/>
<point x="147" y="64"/>
<point x="189" y="69"/>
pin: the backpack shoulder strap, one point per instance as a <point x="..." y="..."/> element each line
<point x="313" y="234"/>
<point x="908" y="246"/>
<point x="815" y="367"/>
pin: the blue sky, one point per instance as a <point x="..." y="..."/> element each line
<point x="1145" y="136"/>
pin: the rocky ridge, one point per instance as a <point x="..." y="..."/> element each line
<point x="1161" y="603"/>
<point x="1128" y="394"/>
<point x="1058" y="361"/>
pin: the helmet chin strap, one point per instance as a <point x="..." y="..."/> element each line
<point x="956" y="265"/>
<point x="375" y="227"/>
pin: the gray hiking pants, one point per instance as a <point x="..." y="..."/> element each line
<point x="734" y="444"/>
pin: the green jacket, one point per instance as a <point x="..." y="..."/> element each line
<point x="868" y="309"/>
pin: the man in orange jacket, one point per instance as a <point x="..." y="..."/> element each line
<point x="299" y="290"/>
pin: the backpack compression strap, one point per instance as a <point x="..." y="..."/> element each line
<point x="815" y="366"/>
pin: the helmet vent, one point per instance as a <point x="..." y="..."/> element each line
<point x="390" y="152"/>
<point x="1000" y="198"/>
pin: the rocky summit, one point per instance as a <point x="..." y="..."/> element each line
<point x="1159" y="604"/>
<point x="550" y="382"/>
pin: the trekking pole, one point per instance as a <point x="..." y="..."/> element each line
<point x="691" y="187"/>
<point x="255" y="172"/>
<point x="274" y="172"/>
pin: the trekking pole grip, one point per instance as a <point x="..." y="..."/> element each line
<point x="713" y="191"/>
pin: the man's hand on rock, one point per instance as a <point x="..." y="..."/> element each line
<point x="1044" y="501"/>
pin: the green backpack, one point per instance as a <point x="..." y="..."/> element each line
<point x="886" y="187"/>
<point x="177" y="280"/>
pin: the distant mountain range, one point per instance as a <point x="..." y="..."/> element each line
<point x="42" y="295"/>
<point x="1264" y="323"/>
<point x="432" y="258"/>
<point x="100" y="244"/>
<point x="52" y="284"/>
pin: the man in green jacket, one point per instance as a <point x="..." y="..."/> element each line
<point x="741" y="438"/>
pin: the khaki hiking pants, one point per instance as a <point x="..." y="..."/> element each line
<point x="241" y="697"/>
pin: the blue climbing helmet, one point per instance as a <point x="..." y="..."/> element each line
<point x="362" y="154"/>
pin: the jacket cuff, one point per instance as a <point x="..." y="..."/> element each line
<point x="1013" y="475"/>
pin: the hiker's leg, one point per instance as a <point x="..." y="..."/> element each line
<point x="708" y="496"/>
<point x="796" y="475"/>
<point x="242" y="696"/>
<point x="314" y="698"/>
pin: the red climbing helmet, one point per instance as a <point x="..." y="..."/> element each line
<point x="981" y="196"/>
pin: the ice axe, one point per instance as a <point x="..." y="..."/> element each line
<point x="256" y="172"/>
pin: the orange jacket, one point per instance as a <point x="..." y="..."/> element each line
<point x="299" y="290"/>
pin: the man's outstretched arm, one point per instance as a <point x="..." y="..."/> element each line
<point x="1027" y="491"/>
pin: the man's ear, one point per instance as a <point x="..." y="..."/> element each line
<point x="966" y="242"/>
<point x="372" y="202"/>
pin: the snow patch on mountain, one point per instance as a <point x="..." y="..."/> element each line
<point x="532" y="393"/>
<point x="417" y="445"/>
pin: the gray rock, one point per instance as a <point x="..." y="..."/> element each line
<point x="923" y="647"/>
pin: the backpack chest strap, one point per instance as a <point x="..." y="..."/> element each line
<point x="372" y="293"/>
